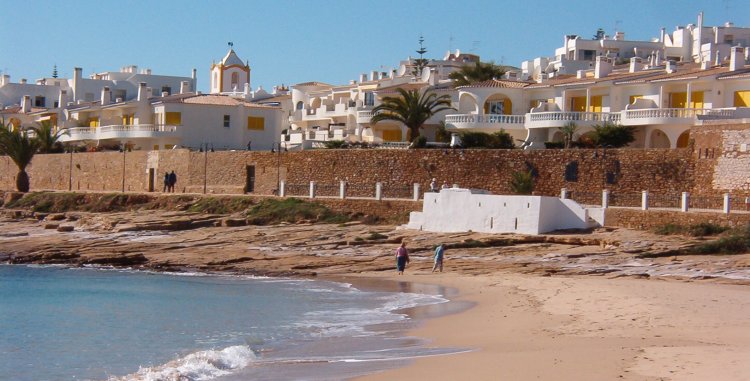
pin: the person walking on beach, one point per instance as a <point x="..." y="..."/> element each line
<point x="439" y="254"/>
<point x="166" y="182"/>
<point x="402" y="258"/>
<point x="172" y="181"/>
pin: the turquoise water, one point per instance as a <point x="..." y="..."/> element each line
<point x="92" y="324"/>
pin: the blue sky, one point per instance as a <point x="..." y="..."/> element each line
<point x="329" y="41"/>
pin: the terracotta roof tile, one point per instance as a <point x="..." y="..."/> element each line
<point x="498" y="83"/>
<point x="217" y="100"/>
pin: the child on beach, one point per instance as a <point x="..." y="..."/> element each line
<point x="439" y="253"/>
<point x="402" y="258"/>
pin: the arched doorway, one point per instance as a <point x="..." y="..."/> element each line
<point x="659" y="139"/>
<point x="684" y="140"/>
<point x="467" y="104"/>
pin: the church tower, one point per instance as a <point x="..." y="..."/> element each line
<point x="230" y="74"/>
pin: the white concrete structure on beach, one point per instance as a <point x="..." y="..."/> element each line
<point x="462" y="210"/>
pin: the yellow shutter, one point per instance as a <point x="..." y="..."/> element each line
<point x="124" y="120"/>
<point x="507" y="106"/>
<point x="633" y="98"/>
<point x="392" y="135"/>
<point x="255" y="123"/>
<point x="595" y="104"/>
<point x="578" y="104"/>
<point x="742" y="98"/>
<point x="173" y="118"/>
<point x="696" y="99"/>
<point x="94" y="122"/>
<point x="678" y="100"/>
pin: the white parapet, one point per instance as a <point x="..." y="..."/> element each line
<point x="461" y="210"/>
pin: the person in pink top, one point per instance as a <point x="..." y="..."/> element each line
<point x="402" y="258"/>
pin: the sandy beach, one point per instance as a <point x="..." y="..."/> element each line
<point x="582" y="328"/>
<point x="608" y="304"/>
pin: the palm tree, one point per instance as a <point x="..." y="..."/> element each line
<point x="411" y="108"/>
<point x="21" y="149"/>
<point x="48" y="139"/>
<point x="480" y="72"/>
<point x="568" y="131"/>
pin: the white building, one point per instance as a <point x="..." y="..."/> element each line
<point x="146" y="111"/>
<point x="329" y="112"/>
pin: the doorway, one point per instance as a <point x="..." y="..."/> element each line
<point x="151" y="179"/>
<point x="250" y="180"/>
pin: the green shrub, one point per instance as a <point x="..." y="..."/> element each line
<point x="612" y="135"/>
<point x="702" y="229"/>
<point x="737" y="242"/>
<point x="419" y="142"/>
<point x="376" y="235"/>
<point x="522" y="182"/>
<point x="272" y="211"/>
<point x="334" y="144"/>
<point x="497" y="140"/>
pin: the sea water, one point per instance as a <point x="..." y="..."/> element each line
<point x="60" y="323"/>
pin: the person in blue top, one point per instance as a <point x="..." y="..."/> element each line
<point x="439" y="254"/>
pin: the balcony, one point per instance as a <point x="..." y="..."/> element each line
<point x="485" y="122"/>
<point x="561" y="118"/>
<point x="147" y="131"/>
<point x="651" y="116"/>
<point x="363" y="117"/>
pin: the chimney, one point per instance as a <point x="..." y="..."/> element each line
<point x="636" y="64"/>
<point x="77" y="71"/>
<point x="22" y="81"/>
<point x="363" y="78"/>
<point x="662" y="33"/>
<point x="62" y="99"/>
<point x="164" y="94"/>
<point x="4" y="80"/>
<point x="106" y="98"/>
<point x="671" y="67"/>
<point x="142" y="96"/>
<point x="657" y="58"/>
<point x="603" y="67"/>
<point x="736" y="58"/>
<point x="247" y="89"/>
<point x="580" y="74"/>
<point x="184" y="87"/>
<point x="619" y="36"/>
<point x="374" y="75"/>
<point x="26" y="104"/>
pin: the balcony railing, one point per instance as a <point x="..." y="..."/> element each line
<point x="485" y="118"/>
<point x="681" y="113"/>
<point x="121" y="131"/>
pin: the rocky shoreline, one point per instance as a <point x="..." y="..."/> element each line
<point x="184" y="241"/>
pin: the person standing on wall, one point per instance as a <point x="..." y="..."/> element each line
<point x="433" y="185"/>
<point x="172" y="181"/>
<point x="166" y="182"/>
<point x="439" y="254"/>
<point x="402" y="258"/>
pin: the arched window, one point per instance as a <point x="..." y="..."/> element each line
<point x="235" y="79"/>
<point x="300" y="105"/>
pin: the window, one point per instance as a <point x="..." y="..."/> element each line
<point x="235" y="80"/>
<point x="369" y="98"/>
<point x="56" y="104"/>
<point x="39" y="101"/>
<point x="571" y="171"/>
<point x="255" y="123"/>
<point x="496" y="107"/>
<point x="166" y="89"/>
<point x="226" y="121"/>
<point x="300" y="105"/>
<point x="588" y="55"/>
<point x="173" y="118"/>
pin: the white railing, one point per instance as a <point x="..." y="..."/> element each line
<point x="106" y="132"/>
<point x="681" y="113"/>
<point x="485" y="118"/>
<point x="572" y="116"/>
<point x="364" y="114"/>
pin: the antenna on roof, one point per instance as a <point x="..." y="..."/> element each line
<point x="231" y="44"/>
<point x="54" y="71"/>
